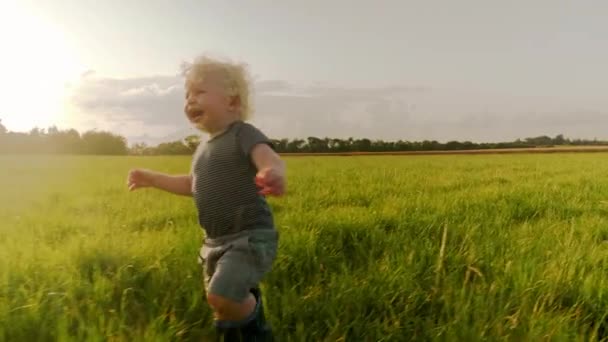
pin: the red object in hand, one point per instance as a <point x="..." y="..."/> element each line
<point x="269" y="183"/>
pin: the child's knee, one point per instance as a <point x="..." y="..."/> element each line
<point x="230" y="309"/>
<point x="218" y="303"/>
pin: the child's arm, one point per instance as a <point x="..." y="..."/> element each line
<point x="179" y="185"/>
<point x="271" y="170"/>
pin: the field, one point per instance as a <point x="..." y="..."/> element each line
<point x="383" y="248"/>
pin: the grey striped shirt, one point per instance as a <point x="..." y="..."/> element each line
<point x="223" y="182"/>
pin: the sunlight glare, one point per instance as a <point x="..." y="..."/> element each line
<point x="36" y="64"/>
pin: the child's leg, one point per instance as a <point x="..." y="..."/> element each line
<point x="209" y="256"/>
<point x="232" y="290"/>
<point x="227" y="309"/>
<point x="259" y="324"/>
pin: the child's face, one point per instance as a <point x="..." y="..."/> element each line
<point x="207" y="105"/>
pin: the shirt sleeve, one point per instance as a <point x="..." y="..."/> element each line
<point x="249" y="136"/>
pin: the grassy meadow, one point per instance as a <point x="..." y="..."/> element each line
<point x="381" y="248"/>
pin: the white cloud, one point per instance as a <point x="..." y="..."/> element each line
<point x="150" y="109"/>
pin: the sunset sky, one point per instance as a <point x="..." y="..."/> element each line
<point x="464" y="70"/>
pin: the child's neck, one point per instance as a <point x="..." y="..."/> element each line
<point x="223" y="126"/>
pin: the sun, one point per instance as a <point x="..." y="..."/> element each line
<point x="36" y="64"/>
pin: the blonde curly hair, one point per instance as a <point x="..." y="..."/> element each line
<point x="234" y="78"/>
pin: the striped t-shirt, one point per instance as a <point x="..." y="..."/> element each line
<point x="223" y="182"/>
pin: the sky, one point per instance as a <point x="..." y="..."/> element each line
<point x="413" y="70"/>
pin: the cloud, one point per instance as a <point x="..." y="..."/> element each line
<point x="272" y="85"/>
<point x="153" y="100"/>
<point x="150" y="109"/>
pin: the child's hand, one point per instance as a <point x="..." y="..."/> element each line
<point x="139" y="178"/>
<point x="270" y="181"/>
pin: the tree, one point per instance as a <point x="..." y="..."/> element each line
<point x="559" y="140"/>
<point x="139" y="149"/>
<point x="3" y="129"/>
<point x="295" y="145"/>
<point x="362" y="145"/>
<point x="192" y="142"/>
<point x="173" y="148"/>
<point x="68" y="141"/>
<point x="316" y="145"/>
<point x="431" y="145"/>
<point x="453" y="145"/>
<point x="280" y="145"/>
<point x="104" y="143"/>
<point x="336" y="145"/>
<point x="540" y="141"/>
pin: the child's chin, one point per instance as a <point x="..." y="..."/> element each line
<point x="200" y="126"/>
<point x="198" y="123"/>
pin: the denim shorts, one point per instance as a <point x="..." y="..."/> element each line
<point x="233" y="264"/>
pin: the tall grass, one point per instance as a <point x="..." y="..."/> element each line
<point x="510" y="247"/>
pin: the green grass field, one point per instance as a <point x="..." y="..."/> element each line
<point x="456" y="248"/>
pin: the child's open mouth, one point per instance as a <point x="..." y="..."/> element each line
<point x="196" y="115"/>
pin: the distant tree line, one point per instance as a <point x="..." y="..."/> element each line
<point x="329" y="145"/>
<point x="55" y="141"/>
<point x="70" y="141"/>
